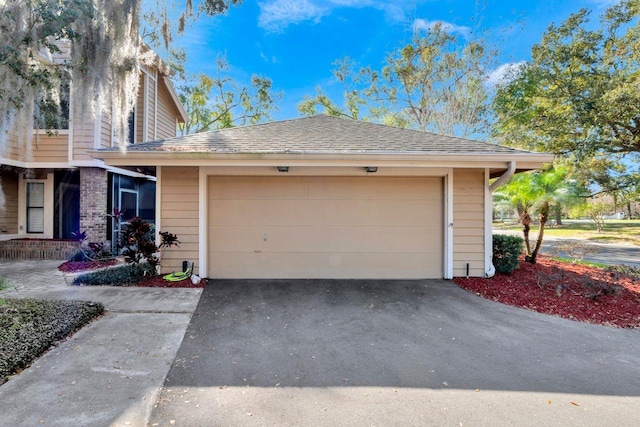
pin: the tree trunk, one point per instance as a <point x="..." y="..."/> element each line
<point x="558" y="214"/>
<point x="525" y="219"/>
<point x="544" y="217"/>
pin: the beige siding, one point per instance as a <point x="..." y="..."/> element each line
<point x="53" y="148"/>
<point x="9" y="215"/>
<point x="12" y="150"/>
<point x="83" y="136"/>
<point x="105" y="131"/>
<point x="325" y="227"/>
<point x="179" y="210"/>
<point x="151" y="114"/>
<point x="167" y="113"/>
<point x="468" y="220"/>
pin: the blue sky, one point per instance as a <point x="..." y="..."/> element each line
<point x="295" y="42"/>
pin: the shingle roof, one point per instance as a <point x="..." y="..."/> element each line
<point x="320" y="134"/>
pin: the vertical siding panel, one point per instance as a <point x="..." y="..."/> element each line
<point x="468" y="220"/>
<point x="179" y="211"/>
<point x="167" y="113"/>
<point x="9" y="216"/>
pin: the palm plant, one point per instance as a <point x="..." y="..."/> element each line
<point x="539" y="192"/>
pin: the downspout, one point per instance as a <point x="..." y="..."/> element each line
<point x="511" y="169"/>
<point x="504" y="177"/>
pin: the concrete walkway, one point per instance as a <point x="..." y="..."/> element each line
<point x="111" y="371"/>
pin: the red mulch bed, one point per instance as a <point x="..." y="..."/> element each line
<point x="576" y="292"/>
<point x="147" y="282"/>
<point x="76" y="266"/>
<point x="159" y="282"/>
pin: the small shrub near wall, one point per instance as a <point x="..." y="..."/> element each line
<point x="506" y="251"/>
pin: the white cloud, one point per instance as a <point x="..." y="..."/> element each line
<point x="448" y="27"/>
<point x="265" y="58"/>
<point x="276" y="15"/>
<point x="504" y="73"/>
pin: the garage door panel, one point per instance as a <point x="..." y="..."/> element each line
<point x="325" y="227"/>
<point x="370" y="188"/>
<point x="313" y="239"/>
<point x="329" y="212"/>
<point x="309" y="265"/>
<point x="258" y="188"/>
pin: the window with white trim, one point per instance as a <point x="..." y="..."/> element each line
<point x="35" y="207"/>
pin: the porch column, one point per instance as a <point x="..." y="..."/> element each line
<point x="93" y="203"/>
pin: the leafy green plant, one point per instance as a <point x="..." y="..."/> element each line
<point x="117" y="276"/>
<point x="506" y="251"/>
<point x="595" y="212"/>
<point x="138" y="246"/>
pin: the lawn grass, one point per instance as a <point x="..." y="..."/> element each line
<point x="29" y="327"/>
<point x="569" y="260"/>
<point x="614" y="231"/>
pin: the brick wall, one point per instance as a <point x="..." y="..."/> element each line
<point x="93" y="203"/>
<point x="37" y="249"/>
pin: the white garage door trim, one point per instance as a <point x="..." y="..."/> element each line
<point x="447" y="215"/>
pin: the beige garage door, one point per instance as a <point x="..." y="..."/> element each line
<point x="325" y="227"/>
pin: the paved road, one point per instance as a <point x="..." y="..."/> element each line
<point x="605" y="253"/>
<point x="333" y="353"/>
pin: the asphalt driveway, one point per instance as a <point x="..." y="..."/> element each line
<point x="329" y="352"/>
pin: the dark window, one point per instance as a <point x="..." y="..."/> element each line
<point x="49" y="114"/>
<point x="132" y="127"/>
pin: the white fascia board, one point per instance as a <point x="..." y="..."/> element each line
<point x="136" y="158"/>
<point x="35" y="165"/>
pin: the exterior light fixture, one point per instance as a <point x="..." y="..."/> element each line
<point x="371" y="169"/>
<point x="283" y="168"/>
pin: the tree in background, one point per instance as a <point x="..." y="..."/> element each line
<point x="435" y="84"/>
<point x="105" y="57"/>
<point x="541" y="192"/>
<point x="221" y="102"/>
<point x="579" y="97"/>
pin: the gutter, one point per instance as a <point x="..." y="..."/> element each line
<point x="504" y="177"/>
<point x="490" y="269"/>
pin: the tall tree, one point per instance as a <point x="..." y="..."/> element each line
<point x="435" y="83"/>
<point x="221" y="102"/>
<point x="579" y="97"/>
<point x="106" y="53"/>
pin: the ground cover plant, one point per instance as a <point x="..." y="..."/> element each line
<point x="609" y="296"/>
<point x="29" y="327"/>
<point x="132" y="275"/>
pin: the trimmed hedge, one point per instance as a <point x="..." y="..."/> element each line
<point x="30" y="327"/>
<point x="506" y="251"/>
<point x="116" y="276"/>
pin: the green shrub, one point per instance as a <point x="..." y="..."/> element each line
<point x="506" y="251"/>
<point x="29" y="327"/>
<point x="117" y="276"/>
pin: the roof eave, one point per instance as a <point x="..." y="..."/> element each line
<point x="525" y="160"/>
